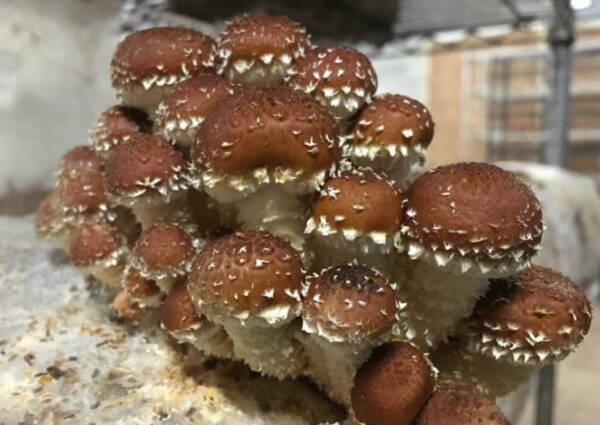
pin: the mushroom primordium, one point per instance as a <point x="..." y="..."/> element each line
<point x="180" y="114"/>
<point x="392" y="386"/>
<point x="148" y="176"/>
<point x="148" y="63"/>
<point x="460" y="403"/>
<point x="347" y="311"/>
<point x="116" y="125"/>
<point x="163" y="253"/>
<point x="524" y="322"/>
<point x="98" y="249"/>
<point x="257" y="50"/>
<point x="461" y="225"/>
<point x="250" y="284"/>
<point x="266" y="150"/>
<point x="341" y="78"/>
<point x="391" y="135"/>
<point x="179" y="319"/>
<point x="355" y="218"/>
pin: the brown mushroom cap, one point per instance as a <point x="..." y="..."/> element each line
<point x="392" y="386"/>
<point x="348" y="303"/>
<point x="533" y="317"/>
<point x="191" y="101"/>
<point x="82" y="191"/>
<point x="116" y="125"/>
<point x="392" y="120"/>
<point x="137" y="286"/>
<point x="163" y="247"/>
<point x="77" y="158"/>
<point x="95" y="242"/>
<point x="161" y="56"/>
<point x="269" y="38"/>
<point x="460" y="403"/>
<point x="272" y="128"/>
<point x="358" y="200"/>
<point x="335" y="76"/>
<point x="49" y="217"/>
<point x="177" y="312"/>
<point x="246" y="274"/>
<point x="145" y="163"/>
<point x="476" y="213"/>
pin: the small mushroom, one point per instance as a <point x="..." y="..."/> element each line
<point x="347" y="311"/>
<point x="392" y="386"/>
<point x="77" y="158"/>
<point x="163" y="253"/>
<point x="182" y="111"/>
<point x="390" y="135"/>
<point x="265" y="150"/>
<point x="341" y="78"/>
<point x="148" y="176"/>
<point x="462" y="224"/>
<point x="116" y="125"/>
<point x="49" y="223"/>
<point x="250" y="283"/>
<point x="143" y="292"/>
<point x="99" y="250"/>
<point x="180" y="320"/>
<point x="257" y="50"/>
<point x="355" y="217"/>
<point x="460" y="403"/>
<point x="148" y="63"/>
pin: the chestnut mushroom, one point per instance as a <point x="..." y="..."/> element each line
<point x="116" y="125"/>
<point x="143" y="292"/>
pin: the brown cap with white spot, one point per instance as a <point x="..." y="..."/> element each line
<point x="348" y="303"/>
<point x="96" y="242"/>
<point x="269" y="134"/>
<point x="77" y="158"/>
<point x="393" y="122"/>
<point x="146" y="163"/>
<point x="250" y="274"/>
<point x="161" y="56"/>
<point x="164" y="249"/>
<point x="116" y="125"/>
<point x="81" y="191"/>
<point x="460" y="403"/>
<point x="258" y="49"/>
<point x="177" y="312"/>
<point x="475" y="217"/>
<point x="340" y="78"/>
<point x="536" y="316"/>
<point x="357" y="202"/>
<point x="137" y="286"/>
<point x="392" y="386"/>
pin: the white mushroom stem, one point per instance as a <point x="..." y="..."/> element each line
<point x="208" y="338"/>
<point x="152" y="208"/>
<point x="265" y="348"/>
<point x="436" y="300"/>
<point x="332" y="365"/>
<point x="110" y="275"/>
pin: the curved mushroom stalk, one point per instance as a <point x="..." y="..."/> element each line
<point x="347" y="310"/>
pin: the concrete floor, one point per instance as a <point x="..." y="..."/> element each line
<point x="577" y="384"/>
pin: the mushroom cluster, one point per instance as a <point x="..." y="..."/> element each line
<point x="255" y="199"/>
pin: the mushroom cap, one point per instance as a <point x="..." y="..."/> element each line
<point x="116" y="125"/>
<point x="49" y="217"/>
<point x="95" y="242"/>
<point x="137" y="286"/>
<point x="392" y="386"/>
<point x="357" y="200"/>
<point x="460" y="403"/>
<point x="163" y="248"/>
<point x="81" y="191"/>
<point x="161" y="56"/>
<point x="264" y="37"/>
<point x="250" y="273"/>
<point x="334" y="76"/>
<point x="77" y="158"/>
<point x="145" y="163"/>
<point x="394" y="120"/>
<point x="190" y="102"/>
<point x="348" y="303"/>
<point x="177" y="312"/>
<point x="475" y="212"/>
<point x="273" y="128"/>
<point x="536" y="316"/>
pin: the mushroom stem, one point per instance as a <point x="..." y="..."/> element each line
<point x="109" y="275"/>
<point x="397" y="167"/>
<point x="437" y="300"/>
<point x="208" y="338"/>
<point x="152" y="209"/>
<point x="332" y="365"/>
<point x="268" y="349"/>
